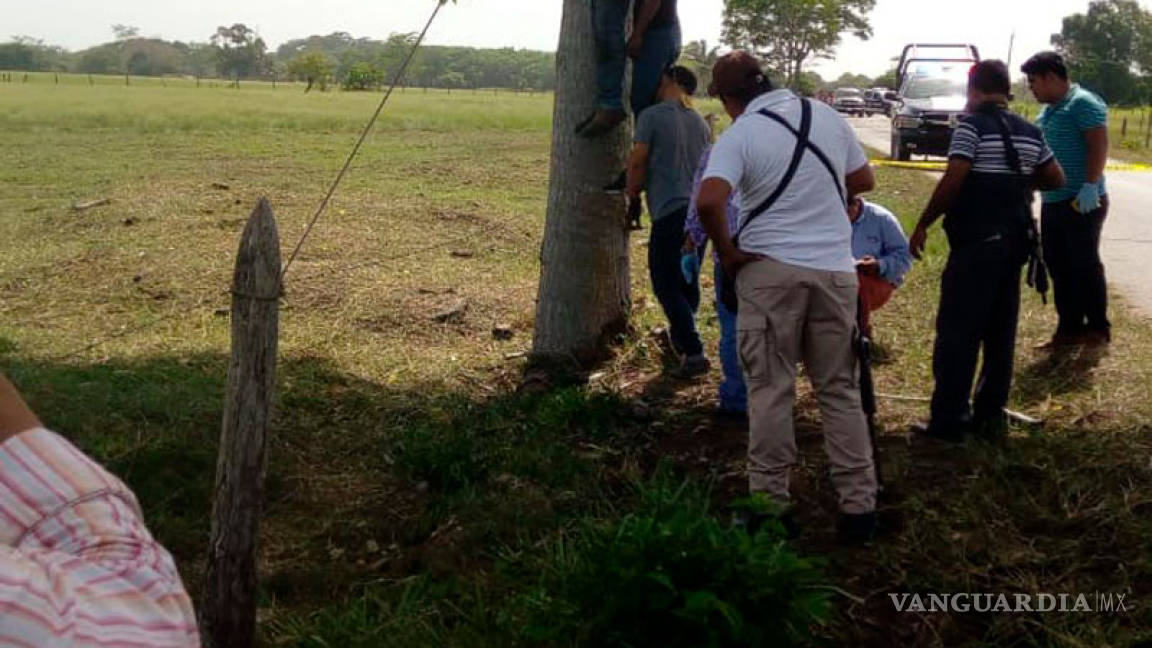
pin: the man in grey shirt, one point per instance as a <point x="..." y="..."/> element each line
<point x="670" y="138"/>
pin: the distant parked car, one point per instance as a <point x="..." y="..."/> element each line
<point x="880" y="101"/>
<point x="850" y="101"/>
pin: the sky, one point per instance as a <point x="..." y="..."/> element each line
<point x="532" y="24"/>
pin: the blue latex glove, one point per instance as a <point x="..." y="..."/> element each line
<point x="1089" y="198"/>
<point x="690" y="267"/>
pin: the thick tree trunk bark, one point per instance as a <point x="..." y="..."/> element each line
<point x="584" y="297"/>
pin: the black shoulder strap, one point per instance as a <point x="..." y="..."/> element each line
<point x="1009" y="146"/>
<point x="816" y="150"/>
<point x="793" y="165"/>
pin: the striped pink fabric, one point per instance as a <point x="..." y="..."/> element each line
<point x="78" y="568"/>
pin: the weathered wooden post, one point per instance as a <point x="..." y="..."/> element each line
<point x="228" y="615"/>
<point x="1124" y="128"/>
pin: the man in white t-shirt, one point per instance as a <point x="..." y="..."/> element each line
<point x="795" y="278"/>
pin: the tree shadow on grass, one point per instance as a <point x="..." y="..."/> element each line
<point x="1058" y="373"/>
<point x="364" y="481"/>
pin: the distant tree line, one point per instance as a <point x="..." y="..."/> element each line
<point x="236" y="52"/>
<point x="1109" y="50"/>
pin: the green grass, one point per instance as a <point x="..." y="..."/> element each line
<point x="414" y="499"/>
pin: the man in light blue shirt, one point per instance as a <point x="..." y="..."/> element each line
<point x="882" y="256"/>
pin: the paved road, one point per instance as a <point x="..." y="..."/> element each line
<point x="1127" y="246"/>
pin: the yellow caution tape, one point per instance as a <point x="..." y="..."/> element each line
<point x="920" y="166"/>
<point x="940" y="166"/>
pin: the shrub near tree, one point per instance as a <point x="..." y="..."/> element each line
<point x="362" y="76"/>
<point x="311" y="67"/>
<point x="671" y="574"/>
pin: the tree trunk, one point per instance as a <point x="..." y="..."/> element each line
<point x="585" y="293"/>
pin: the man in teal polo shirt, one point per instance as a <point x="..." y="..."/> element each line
<point x="1075" y="123"/>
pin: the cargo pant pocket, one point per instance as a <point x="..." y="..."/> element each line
<point x="755" y="340"/>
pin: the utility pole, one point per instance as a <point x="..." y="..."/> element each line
<point x="1011" y="46"/>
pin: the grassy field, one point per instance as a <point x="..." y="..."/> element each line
<point x="414" y="498"/>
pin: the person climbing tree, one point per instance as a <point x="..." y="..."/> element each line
<point x="653" y="46"/>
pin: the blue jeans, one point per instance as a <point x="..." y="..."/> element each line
<point x="661" y="49"/>
<point x="733" y="391"/>
<point x="608" y="17"/>
<point x="677" y="297"/>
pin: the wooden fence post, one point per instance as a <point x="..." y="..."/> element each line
<point x="228" y="615"/>
<point x="1124" y="128"/>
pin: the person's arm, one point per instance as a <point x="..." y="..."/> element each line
<point x="712" y="204"/>
<point x="1097" y="141"/>
<point x="895" y="258"/>
<point x="644" y="17"/>
<point x="693" y="230"/>
<point x="961" y="154"/>
<point x="1049" y="176"/>
<point x="942" y="200"/>
<point x="637" y="169"/>
<point x="642" y="143"/>
<point x="15" y="415"/>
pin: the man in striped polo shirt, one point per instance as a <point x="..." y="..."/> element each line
<point x="1075" y="123"/>
<point x="995" y="161"/>
<point x="78" y="568"/>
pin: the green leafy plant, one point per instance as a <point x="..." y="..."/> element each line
<point x="519" y="436"/>
<point x="671" y="574"/>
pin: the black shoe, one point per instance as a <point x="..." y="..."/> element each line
<point x="691" y="367"/>
<point x="927" y="430"/>
<point x="991" y="429"/>
<point x="730" y="415"/>
<point x="856" y="529"/>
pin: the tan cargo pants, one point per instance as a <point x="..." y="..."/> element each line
<point x="790" y="314"/>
